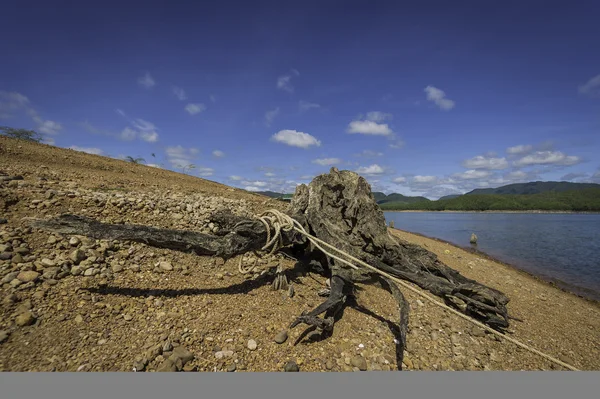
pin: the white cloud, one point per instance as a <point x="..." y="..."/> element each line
<point x="370" y="170"/>
<point x="305" y="105"/>
<point x="592" y="87"/>
<point x="270" y="174"/>
<point x="13" y="102"/>
<point x="236" y="178"/>
<point x="180" y="156"/>
<point x="438" y="97"/>
<point x="128" y="134"/>
<point x="519" y="149"/>
<point x="425" y="179"/>
<point x="194" y="109"/>
<point x="397" y="144"/>
<point x="146" y="81"/>
<point x="327" y="161"/>
<point x="218" y="153"/>
<point x="574" y="176"/>
<point x="48" y="127"/>
<point x="179" y="93"/>
<point x="483" y="162"/>
<point x="295" y="139"/>
<point x="256" y="183"/>
<point x="377" y="116"/>
<point x="205" y="172"/>
<point x="253" y="188"/>
<point x="89" y="150"/>
<point x="399" y="180"/>
<point x="547" y="158"/>
<point x="150" y="137"/>
<point x="154" y="165"/>
<point x="369" y="127"/>
<point x="270" y="116"/>
<point x="284" y="81"/>
<point x="370" y="154"/>
<point x="472" y="174"/>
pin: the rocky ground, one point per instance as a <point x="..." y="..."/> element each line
<point x="75" y="304"/>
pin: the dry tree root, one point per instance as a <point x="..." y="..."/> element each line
<point x="339" y="209"/>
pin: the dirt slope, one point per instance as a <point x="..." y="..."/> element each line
<point x="70" y="303"/>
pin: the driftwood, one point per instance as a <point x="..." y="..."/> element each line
<point x="338" y="208"/>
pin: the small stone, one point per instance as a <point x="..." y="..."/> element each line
<point x="167" y="366"/>
<point x="165" y="266"/>
<point x="281" y="337"/>
<point x="359" y="362"/>
<point x="252" y="345"/>
<point x="408" y="361"/>
<point x="116" y="268"/>
<point x="17" y="258"/>
<point x="3" y="336"/>
<point x="51" y="240"/>
<point x="28" y="276"/>
<point x="434" y="336"/>
<point x="3" y="221"/>
<point x="89" y="272"/>
<point x="167" y="346"/>
<point x="181" y="353"/>
<point x="47" y="262"/>
<point x="478" y="332"/>
<point x="231" y="368"/>
<point x="6" y="255"/>
<point x="329" y="364"/>
<point x="420" y="303"/>
<point x="566" y="359"/>
<point x="25" y="319"/>
<point x="128" y="317"/>
<point x="21" y="251"/>
<point x="291" y="366"/>
<point x="135" y="268"/>
<point x="78" y="319"/>
<point x="76" y="270"/>
<point x="223" y="354"/>
<point x="74" y="241"/>
<point x="77" y="256"/>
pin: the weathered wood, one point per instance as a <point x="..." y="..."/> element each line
<point x="238" y="235"/>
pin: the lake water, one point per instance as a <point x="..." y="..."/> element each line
<point x="564" y="248"/>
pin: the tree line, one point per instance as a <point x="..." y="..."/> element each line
<point x="586" y="200"/>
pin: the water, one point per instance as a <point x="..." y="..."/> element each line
<point x="564" y="248"/>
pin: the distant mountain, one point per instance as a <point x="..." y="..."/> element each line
<point x="271" y="194"/>
<point x="536" y="187"/>
<point x="401" y="199"/>
<point x="451" y="196"/>
<point x="379" y="196"/>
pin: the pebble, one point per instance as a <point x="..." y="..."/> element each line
<point x="359" y="362"/>
<point x="231" y="368"/>
<point x="252" y="345"/>
<point x="74" y="241"/>
<point x="434" y="336"/>
<point x="28" y="276"/>
<point x="291" y="366"/>
<point x="77" y="256"/>
<point x="329" y="364"/>
<point x="223" y="354"/>
<point x="128" y="317"/>
<point x="25" y="319"/>
<point x="47" y="262"/>
<point x="3" y="336"/>
<point x="78" y="319"/>
<point x="21" y="251"/>
<point x="281" y="337"/>
<point x="478" y="332"/>
<point x="166" y="266"/>
<point x="116" y="268"/>
<point x="17" y="258"/>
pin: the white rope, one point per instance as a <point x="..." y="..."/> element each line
<point x="283" y="222"/>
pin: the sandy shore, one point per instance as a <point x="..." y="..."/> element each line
<point x="128" y="309"/>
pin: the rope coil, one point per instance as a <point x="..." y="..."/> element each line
<point x="282" y="222"/>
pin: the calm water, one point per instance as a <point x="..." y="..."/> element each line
<point x="564" y="248"/>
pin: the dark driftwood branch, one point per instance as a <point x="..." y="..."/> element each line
<point x="238" y="236"/>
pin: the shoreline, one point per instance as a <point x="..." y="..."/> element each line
<point x="530" y="211"/>
<point x="554" y="283"/>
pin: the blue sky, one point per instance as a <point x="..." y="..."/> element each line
<point x="428" y="99"/>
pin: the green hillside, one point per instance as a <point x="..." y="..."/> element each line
<point x="535" y="187"/>
<point x="573" y="200"/>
